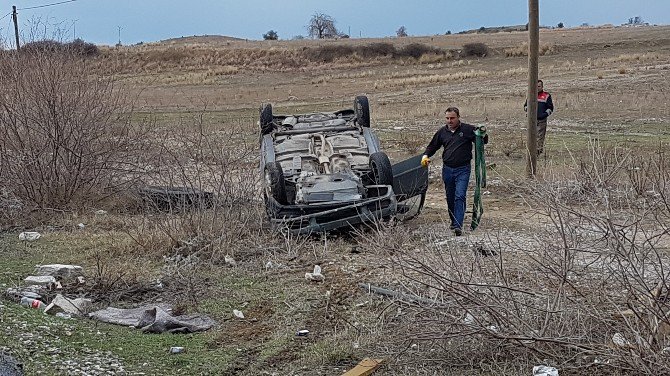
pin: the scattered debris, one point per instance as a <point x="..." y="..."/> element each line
<point x="40" y="280"/>
<point x="481" y="250"/>
<point x="153" y="319"/>
<point x="100" y="212"/>
<point x="81" y="226"/>
<point x="60" y="303"/>
<point x="469" y="319"/>
<point x="176" y="350"/>
<point x="81" y="280"/>
<point x="17" y="294"/>
<point x="230" y="261"/>
<point x="316" y="275"/>
<point x="366" y="367"/>
<point x="29" y="236"/>
<point x="302" y="333"/>
<point x="238" y="314"/>
<point x="544" y="371"/>
<point x="64" y="315"/>
<point x="32" y="303"/>
<point x="59" y="270"/>
<point x="619" y="340"/>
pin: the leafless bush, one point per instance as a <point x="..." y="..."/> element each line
<point x="375" y="50"/>
<point x="588" y="291"/>
<point x="77" y="47"/>
<point x="475" y="49"/>
<point x="203" y="158"/>
<point x="416" y="50"/>
<point x="65" y="135"/>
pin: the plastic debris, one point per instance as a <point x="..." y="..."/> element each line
<point x="469" y="319"/>
<point x="32" y="303"/>
<point x="316" y="275"/>
<point x="238" y="314"/>
<point x="619" y="340"/>
<point x="176" y="349"/>
<point x="302" y="333"/>
<point x="100" y="212"/>
<point x="544" y="371"/>
<point x="230" y="260"/>
<point x="29" y="236"/>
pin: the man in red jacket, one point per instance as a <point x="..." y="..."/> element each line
<point x="545" y="107"/>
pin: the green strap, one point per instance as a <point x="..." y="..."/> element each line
<point x="480" y="177"/>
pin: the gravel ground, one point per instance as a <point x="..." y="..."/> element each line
<point x="48" y="338"/>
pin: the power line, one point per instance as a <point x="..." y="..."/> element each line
<point x="3" y="17"/>
<point x="47" y="5"/>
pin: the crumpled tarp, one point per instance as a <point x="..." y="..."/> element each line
<point x="153" y="319"/>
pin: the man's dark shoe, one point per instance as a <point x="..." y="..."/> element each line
<point x="452" y="227"/>
<point x="458" y="231"/>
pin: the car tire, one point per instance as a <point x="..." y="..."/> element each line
<point x="380" y="166"/>
<point x="274" y="183"/>
<point x="266" y="123"/>
<point x="362" y="110"/>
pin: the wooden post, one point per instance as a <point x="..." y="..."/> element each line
<point x="531" y="115"/>
<point x="16" y="26"/>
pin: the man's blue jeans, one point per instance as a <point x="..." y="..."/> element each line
<point x="456" y="186"/>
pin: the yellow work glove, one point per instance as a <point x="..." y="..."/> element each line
<point x="425" y="161"/>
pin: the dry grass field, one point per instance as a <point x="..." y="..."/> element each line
<point x="559" y="267"/>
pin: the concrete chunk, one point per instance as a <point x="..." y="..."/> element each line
<point x="42" y="280"/>
<point x="60" y="303"/>
<point x="59" y="270"/>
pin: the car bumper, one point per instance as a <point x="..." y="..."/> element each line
<point x="305" y="219"/>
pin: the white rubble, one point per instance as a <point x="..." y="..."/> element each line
<point x="59" y="270"/>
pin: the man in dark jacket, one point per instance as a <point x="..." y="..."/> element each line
<point x="545" y="107"/>
<point x="456" y="139"/>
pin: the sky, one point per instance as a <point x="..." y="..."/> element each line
<point x="108" y="21"/>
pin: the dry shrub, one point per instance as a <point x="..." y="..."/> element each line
<point x="431" y="79"/>
<point x="475" y="49"/>
<point x="376" y="50"/>
<point x="77" y="47"/>
<point x="587" y="291"/>
<point x="203" y="158"/>
<point x="522" y="50"/>
<point x="417" y="50"/>
<point x="65" y="134"/>
<point x="331" y="53"/>
<point x="327" y="54"/>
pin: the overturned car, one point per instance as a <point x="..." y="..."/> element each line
<point x="323" y="171"/>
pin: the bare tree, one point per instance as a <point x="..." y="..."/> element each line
<point x="401" y="32"/>
<point x="322" y="26"/>
<point x="65" y="134"/>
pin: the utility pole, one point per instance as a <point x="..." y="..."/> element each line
<point x="119" y="44"/>
<point x="531" y="115"/>
<point x="16" y="26"/>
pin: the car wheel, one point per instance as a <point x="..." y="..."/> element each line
<point x="274" y="183"/>
<point x="362" y="110"/>
<point x="266" y="118"/>
<point x="380" y="165"/>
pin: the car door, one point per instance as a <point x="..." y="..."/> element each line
<point x="410" y="183"/>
